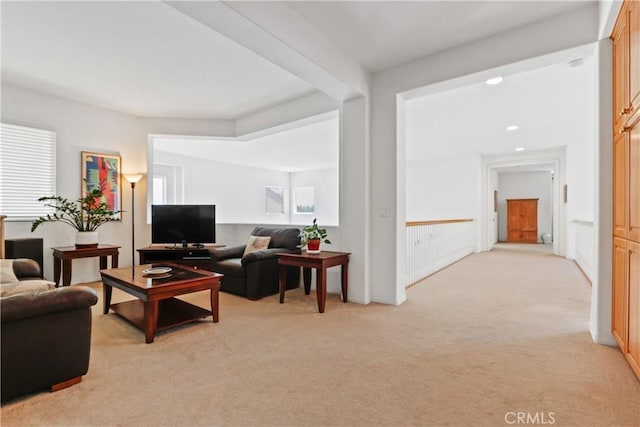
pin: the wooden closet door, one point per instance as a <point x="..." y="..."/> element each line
<point x="633" y="191"/>
<point x="633" y="337"/>
<point x="620" y="297"/>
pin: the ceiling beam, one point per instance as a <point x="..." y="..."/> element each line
<point x="278" y="34"/>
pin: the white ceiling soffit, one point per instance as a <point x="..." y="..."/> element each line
<point x="385" y="34"/>
<point x="549" y="105"/>
<point x="310" y="147"/>
<point x="142" y="58"/>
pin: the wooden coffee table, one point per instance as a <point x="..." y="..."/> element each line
<point x="155" y="307"/>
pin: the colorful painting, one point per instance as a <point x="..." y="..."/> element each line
<point x="103" y="171"/>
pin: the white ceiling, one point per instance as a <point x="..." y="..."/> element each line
<point x="142" y="58"/>
<point x="549" y="105"/>
<point x="384" y="34"/>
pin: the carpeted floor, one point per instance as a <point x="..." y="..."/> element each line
<point x="494" y="337"/>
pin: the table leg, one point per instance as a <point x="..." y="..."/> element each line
<point x="150" y="320"/>
<point x="283" y="282"/>
<point x="57" y="263"/>
<point x="306" y="276"/>
<point x="321" y="288"/>
<point x="106" y="296"/>
<point x="214" y="304"/>
<point x="66" y="272"/>
<point x="345" y="281"/>
<point x="103" y="262"/>
<point x="114" y="260"/>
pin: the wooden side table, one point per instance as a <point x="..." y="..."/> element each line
<point x="62" y="257"/>
<point x="320" y="262"/>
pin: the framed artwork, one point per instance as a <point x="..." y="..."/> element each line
<point x="275" y="200"/>
<point x="304" y="200"/>
<point x="495" y="200"/>
<point x="103" y="171"/>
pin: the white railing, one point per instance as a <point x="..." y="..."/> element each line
<point x="432" y="245"/>
<point x="585" y="248"/>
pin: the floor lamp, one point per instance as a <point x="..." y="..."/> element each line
<point x="133" y="179"/>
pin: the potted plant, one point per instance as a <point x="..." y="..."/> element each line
<point x="85" y="214"/>
<point x="311" y="237"/>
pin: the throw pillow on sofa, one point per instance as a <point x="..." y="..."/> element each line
<point x="10" y="285"/>
<point x="6" y="271"/>
<point x="19" y="287"/>
<point x="256" y="243"/>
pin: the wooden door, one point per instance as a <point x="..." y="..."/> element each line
<point x="633" y="184"/>
<point x="620" y="74"/>
<point x="620" y="201"/>
<point x="522" y="220"/>
<point x="633" y="340"/>
<point x="620" y="297"/>
<point x="633" y="21"/>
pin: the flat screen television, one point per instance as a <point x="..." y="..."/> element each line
<point x="183" y="224"/>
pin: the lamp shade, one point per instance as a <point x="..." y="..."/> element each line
<point x="133" y="177"/>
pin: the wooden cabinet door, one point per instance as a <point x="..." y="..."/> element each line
<point x="620" y="201"/>
<point x="633" y="22"/>
<point x="620" y="38"/>
<point x="633" y="184"/>
<point x="522" y="220"/>
<point x="620" y="297"/>
<point x="633" y="340"/>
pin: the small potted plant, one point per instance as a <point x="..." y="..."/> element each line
<point x="85" y="214"/>
<point x="311" y="237"/>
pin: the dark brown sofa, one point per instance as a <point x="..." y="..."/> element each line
<point x="256" y="274"/>
<point x="45" y="337"/>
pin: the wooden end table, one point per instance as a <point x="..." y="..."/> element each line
<point x="155" y="307"/>
<point x="62" y="257"/>
<point x="320" y="262"/>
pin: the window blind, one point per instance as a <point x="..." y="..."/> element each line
<point x="27" y="171"/>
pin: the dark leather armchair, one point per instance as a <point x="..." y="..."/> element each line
<point x="255" y="275"/>
<point x="46" y="335"/>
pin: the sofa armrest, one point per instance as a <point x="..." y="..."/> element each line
<point x="263" y="254"/>
<point x="40" y="303"/>
<point x="218" y="254"/>
<point x="26" y="268"/>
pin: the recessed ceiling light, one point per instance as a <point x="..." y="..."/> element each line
<point x="494" y="81"/>
<point x="520" y="149"/>
<point x="512" y="127"/>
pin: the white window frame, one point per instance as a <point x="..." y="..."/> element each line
<point x="27" y="171"/>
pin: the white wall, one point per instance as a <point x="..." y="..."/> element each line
<point x="443" y="189"/>
<point x="525" y="185"/>
<point x="237" y="191"/>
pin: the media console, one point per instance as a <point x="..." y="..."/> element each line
<point x="192" y="257"/>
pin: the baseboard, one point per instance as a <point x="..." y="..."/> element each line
<point x="583" y="272"/>
<point x="604" y="340"/>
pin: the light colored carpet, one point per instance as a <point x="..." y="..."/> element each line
<point x="496" y="333"/>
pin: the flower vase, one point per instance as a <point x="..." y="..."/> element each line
<point x="313" y="246"/>
<point x="86" y="239"/>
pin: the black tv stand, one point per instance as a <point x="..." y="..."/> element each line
<point x="193" y="257"/>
